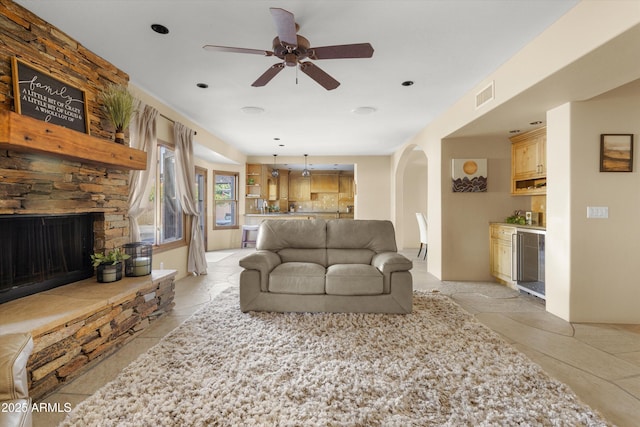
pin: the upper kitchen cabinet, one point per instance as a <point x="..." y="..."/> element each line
<point x="325" y="183"/>
<point x="283" y="188"/>
<point x="299" y="188"/>
<point x="347" y="189"/>
<point x="254" y="184"/>
<point x="528" y="162"/>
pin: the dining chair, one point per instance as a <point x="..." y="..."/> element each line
<point x="422" y="223"/>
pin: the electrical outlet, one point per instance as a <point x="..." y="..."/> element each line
<point x="597" y="212"/>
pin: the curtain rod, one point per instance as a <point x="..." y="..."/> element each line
<point x="173" y="121"/>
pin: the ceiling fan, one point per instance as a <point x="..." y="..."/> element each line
<point x="293" y="49"/>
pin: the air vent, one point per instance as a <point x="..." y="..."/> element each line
<point x="485" y="95"/>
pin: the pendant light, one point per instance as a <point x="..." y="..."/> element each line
<point x="275" y="172"/>
<point x="305" y="171"/>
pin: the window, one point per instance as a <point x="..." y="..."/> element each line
<point x="164" y="221"/>
<point x="201" y="190"/>
<point x="225" y="206"/>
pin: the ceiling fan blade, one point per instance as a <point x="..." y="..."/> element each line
<point x="286" y="25"/>
<point x="268" y="75"/>
<point x="317" y="74"/>
<point x="214" y="48"/>
<point x="358" y="50"/>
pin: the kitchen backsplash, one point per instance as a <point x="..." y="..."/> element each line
<point x="539" y="204"/>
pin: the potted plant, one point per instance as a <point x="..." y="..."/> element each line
<point x="109" y="267"/>
<point x="119" y="105"/>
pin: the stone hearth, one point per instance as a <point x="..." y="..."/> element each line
<point x="76" y="325"/>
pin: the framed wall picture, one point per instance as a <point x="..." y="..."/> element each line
<point x="42" y="96"/>
<point x="469" y="175"/>
<point x="616" y="152"/>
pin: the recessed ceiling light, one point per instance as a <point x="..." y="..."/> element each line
<point x="407" y="83"/>
<point x="252" y="110"/>
<point x="159" y="28"/>
<point x="202" y="85"/>
<point x="364" y="110"/>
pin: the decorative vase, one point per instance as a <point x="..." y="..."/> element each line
<point x="109" y="272"/>
<point x="119" y="137"/>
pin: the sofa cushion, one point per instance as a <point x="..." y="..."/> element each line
<point x="316" y="256"/>
<point x="375" y="235"/>
<point x="353" y="279"/>
<point x="278" y="234"/>
<point x="349" y="256"/>
<point x="297" y="278"/>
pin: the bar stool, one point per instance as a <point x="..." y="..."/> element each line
<point x="246" y="230"/>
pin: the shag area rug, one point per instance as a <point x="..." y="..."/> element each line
<point x="435" y="367"/>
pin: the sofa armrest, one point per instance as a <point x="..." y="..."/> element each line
<point x="389" y="262"/>
<point x="264" y="262"/>
<point x="15" y="350"/>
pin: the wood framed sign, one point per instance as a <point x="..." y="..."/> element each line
<point x="40" y="95"/>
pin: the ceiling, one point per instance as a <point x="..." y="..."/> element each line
<point x="444" y="47"/>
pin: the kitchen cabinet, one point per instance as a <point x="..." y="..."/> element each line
<point x="284" y="190"/>
<point x="347" y="187"/>
<point x="299" y="188"/>
<point x="254" y="184"/>
<point x="500" y="250"/>
<point x="325" y="183"/>
<point x="272" y="188"/>
<point x="528" y="162"/>
<point x="284" y="185"/>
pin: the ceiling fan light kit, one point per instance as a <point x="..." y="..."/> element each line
<point x="293" y="49"/>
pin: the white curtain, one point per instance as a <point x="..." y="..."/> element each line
<point x="142" y="133"/>
<point x="186" y="176"/>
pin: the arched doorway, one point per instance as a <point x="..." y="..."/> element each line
<point x="410" y="195"/>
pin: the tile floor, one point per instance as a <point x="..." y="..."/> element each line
<point x="601" y="363"/>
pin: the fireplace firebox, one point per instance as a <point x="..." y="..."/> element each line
<point x="42" y="252"/>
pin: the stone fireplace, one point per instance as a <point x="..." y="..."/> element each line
<point x="41" y="252"/>
<point x="46" y="186"/>
<point x="48" y="172"/>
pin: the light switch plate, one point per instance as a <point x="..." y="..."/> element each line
<point x="597" y="212"/>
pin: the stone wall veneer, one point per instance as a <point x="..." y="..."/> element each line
<point x="67" y="350"/>
<point x="38" y="184"/>
<point x="46" y="184"/>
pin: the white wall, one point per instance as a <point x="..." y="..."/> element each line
<point x="373" y="188"/>
<point x="558" y="249"/>
<point x="414" y="191"/>
<point x="592" y="36"/>
<point x="601" y="255"/>
<point x="465" y="248"/>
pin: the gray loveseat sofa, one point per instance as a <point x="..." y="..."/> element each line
<point x="326" y="266"/>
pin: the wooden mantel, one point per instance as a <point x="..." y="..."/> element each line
<point x="26" y="134"/>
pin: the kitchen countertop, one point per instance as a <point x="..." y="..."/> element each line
<point x="530" y="227"/>
<point x="297" y="213"/>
